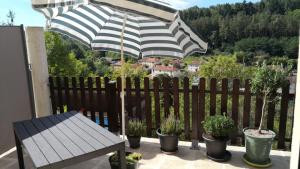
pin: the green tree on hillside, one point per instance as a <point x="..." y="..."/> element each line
<point x="62" y="62"/>
<point x="220" y="67"/>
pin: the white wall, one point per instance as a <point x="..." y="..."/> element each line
<point x="38" y="59"/>
<point x="296" y="134"/>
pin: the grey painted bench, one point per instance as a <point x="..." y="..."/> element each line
<point x="62" y="140"/>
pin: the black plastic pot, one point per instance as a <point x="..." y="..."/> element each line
<point x="216" y="148"/>
<point x="168" y="143"/>
<point x="134" y="142"/>
<point x="116" y="164"/>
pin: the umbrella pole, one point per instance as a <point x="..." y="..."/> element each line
<point x="123" y="77"/>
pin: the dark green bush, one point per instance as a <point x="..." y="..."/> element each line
<point x="219" y="126"/>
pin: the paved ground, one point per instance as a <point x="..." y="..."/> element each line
<point x="154" y="159"/>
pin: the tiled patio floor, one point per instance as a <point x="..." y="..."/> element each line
<point x="154" y="159"/>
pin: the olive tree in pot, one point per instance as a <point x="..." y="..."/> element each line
<point x="168" y="134"/>
<point x="267" y="80"/>
<point x="135" y="129"/>
<point x="131" y="160"/>
<point x="218" y="129"/>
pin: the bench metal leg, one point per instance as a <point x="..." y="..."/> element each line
<point x="121" y="154"/>
<point x="20" y="153"/>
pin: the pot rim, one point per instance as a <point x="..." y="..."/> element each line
<point x="203" y="136"/>
<point x="271" y="136"/>
<point x="134" y="136"/>
<point x="159" y="134"/>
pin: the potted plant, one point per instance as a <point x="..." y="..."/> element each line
<point x="131" y="160"/>
<point x="258" y="142"/>
<point x="217" y="130"/>
<point x="135" y="129"/>
<point x="168" y="134"/>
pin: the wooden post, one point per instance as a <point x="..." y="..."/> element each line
<point x="82" y="95"/>
<point x="148" y="111"/>
<point x="176" y="96"/>
<point x="235" y="104"/>
<point x="201" y="113"/>
<point x="91" y="99"/>
<point x="283" y="116"/>
<point x="186" y="98"/>
<point x="112" y="114"/>
<point x="195" y="125"/>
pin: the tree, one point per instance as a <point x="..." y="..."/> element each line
<point x="11" y="17"/>
<point x="220" y="67"/>
<point x="266" y="81"/>
<point x="62" y="62"/>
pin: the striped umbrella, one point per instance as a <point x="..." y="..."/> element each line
<point x="134" y="27"/>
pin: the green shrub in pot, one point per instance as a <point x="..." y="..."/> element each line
<point x="267" y="80"/>
<point x="135" y="130"/>
<point x="131" y="160"/>
<point x="217" y="131"/>
<point x="168" y="134"/>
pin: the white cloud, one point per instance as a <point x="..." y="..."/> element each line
<point x="183" y="4"/>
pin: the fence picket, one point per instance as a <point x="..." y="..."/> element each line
<point x="176" y="96"/>
<point x="212" y="98"/>
<point x="156" y="101"/>
<point x="99" y="101"/>
<point x="82" y="96"/>
<point x="224" y="96"/>
<point x="59" y="94"/>
<point x="283" y="115"/>
<point x="52" y="96"/>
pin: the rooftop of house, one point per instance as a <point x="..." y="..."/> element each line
<point x="150" y="59"/>
<point x="165" y="68"/>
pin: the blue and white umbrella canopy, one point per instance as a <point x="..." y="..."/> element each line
<point x="98" y="24"/>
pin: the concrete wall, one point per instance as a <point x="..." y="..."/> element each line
<point x="38" y="59"/>
<point x="15" y="91"/>
<point x="295" y="156"/>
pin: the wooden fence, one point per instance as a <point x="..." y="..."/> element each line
<point x="152" y="99"/>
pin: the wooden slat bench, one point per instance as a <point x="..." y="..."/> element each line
<point x="62" y="140"/>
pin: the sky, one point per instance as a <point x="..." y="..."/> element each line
<point x="27" y="16"/>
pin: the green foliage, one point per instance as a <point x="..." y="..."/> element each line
<point x="135" y="128"/>
<point x="129" y="71"/>
<point x="268" y="78"/>
<point x="62" y="62"/>
<point x="132" y="158"/>
<point x="171" y="126"/>
<point x="223" y="25"/>
<point x="266" y="81"/>
<point x="219" y="126"/>
<point x="224" y="67"/>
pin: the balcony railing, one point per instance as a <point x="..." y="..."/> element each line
<point x="152" y="100"/>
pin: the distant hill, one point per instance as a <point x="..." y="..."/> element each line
<point x="269" y="27"/>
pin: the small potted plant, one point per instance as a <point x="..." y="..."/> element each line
<point x="131" y="160"/>
<point x="135" y="129"/>
<point x="168" y="134"/>
<point x="217" y="130"/>
<point x="258" y="142"/>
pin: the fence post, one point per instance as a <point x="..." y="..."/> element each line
<point x="112" y="114"/>
<point x="283" y="115"/>
<point x="148" y="111"/>
<point x="201" y="111"/>
<point x="195" y="122"/>
<point x="186" y="106"/>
